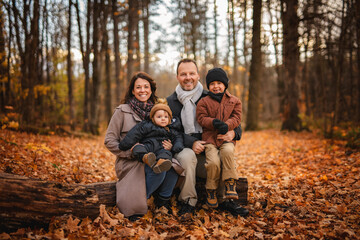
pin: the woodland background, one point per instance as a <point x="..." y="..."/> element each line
<point x="66" y="64"/>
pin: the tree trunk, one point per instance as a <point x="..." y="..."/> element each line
<point x="116" y="51"/>
<point x="32" y="64"/>
<point x="358" y="59"/>
<point x="290" y="22"/>
<point x="234" y="43"/>
<point x="245" y="53"/>
<point x="106" y="52"/>
<point x="131" y="27"/>
<point x="69" y="72"/>
<point x="94" y="97"/>
<point x="146" y="37"/>
<point x="216" y="57"/>
<point x="8" y="94"/>
<point x="26" y="202"/>
<point x="86" y="60"/>
<point x="3" y="63"/>
<point x="255" y="71"/>
<point x="137" y="63"/>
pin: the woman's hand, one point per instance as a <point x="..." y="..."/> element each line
<point x="228" y="137"/>
<point x="198" y="146"/>
<point x="167" y="145"/>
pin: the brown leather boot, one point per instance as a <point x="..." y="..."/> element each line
<point x="162" y="165"/>
<point x="230" y="189"/>
<point x="149" y="159"/>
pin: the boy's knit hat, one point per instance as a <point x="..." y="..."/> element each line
<point x="217" y="74"/>
<point x="161" y="105"/>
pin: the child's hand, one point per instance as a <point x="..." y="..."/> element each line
<point x="220" y="126"/>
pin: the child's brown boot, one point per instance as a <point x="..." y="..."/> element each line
<point x="230" y="189"/>
<point x="211" y="199"/>
<point x="162" y="165"/>
<point x="149" y="159"/>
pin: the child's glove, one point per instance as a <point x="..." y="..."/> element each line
<point x="220" y="126"/>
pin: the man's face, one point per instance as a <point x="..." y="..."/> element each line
<point x="188" y="76"/>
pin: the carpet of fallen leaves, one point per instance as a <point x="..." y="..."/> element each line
<point x="301" y="186"/>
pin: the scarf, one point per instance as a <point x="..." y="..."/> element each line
<point x="188" y="112"/>
<point x="140" y="108"/>
<point x="217" y="96"/>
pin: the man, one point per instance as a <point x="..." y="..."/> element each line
<point x="183" y="105"/>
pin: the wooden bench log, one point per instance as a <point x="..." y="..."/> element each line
<point x="27" y="202"/>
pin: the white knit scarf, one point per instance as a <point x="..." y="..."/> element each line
<point x="188" y="112"/>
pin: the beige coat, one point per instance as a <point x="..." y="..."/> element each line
<point x="131" y="186"/>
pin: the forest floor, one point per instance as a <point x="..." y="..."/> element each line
<point x="301" y="186"/>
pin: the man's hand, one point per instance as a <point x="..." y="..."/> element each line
<point x="167" y="145"/>
<point x="228" y="137"/>
<point x="198" y="146"/>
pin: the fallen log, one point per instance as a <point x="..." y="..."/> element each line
<point x="27" y="202"/>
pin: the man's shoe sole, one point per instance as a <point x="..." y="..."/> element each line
<point x="231" y="196"/>
<point x="212" y="205"/>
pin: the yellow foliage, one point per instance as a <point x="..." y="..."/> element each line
<point x="241" y="69"/>
<point x="25" y="93"/>
<point x="41" y="90"/>
<point x="14" y="125"/>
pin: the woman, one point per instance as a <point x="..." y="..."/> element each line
<point x="137" y="182"/>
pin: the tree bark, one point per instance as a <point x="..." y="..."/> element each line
<point x="358" y="59"/>
<point x="116" y="51"/>
<point x="131" y="27"/>
<point x="27" y="202"/>
<point x="290" y="22"/>
<point x="94" y="96"/>
<point x="3" y="67"/>
<point x="86" y="60"/>
<point x="216" y="49"/>
<point x="69" y="72"/>
<point x="234" y="43"/>
<point x="255" y="71"/>
<point x="146" y="36"/>
<point x="106" y="53"/>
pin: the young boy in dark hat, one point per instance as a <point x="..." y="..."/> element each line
<point x="218" y="113"/>
<point x="146" y="138"/>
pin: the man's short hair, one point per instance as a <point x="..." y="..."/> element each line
<point x="186" y="60"/>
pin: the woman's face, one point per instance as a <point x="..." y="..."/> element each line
<point x="142" y="90"/>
